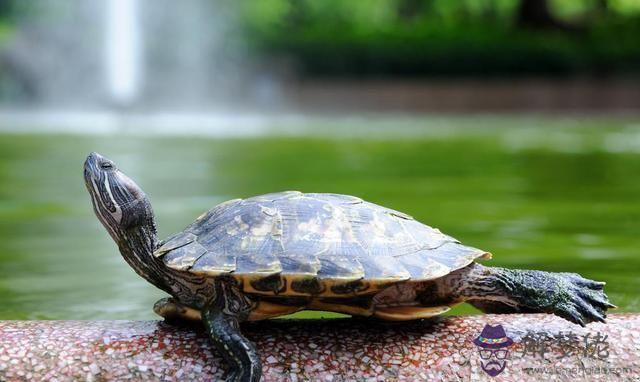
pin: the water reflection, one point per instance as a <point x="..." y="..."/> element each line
<point x="534" y="207"/>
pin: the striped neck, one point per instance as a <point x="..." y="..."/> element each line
<point x="136" y="246"/>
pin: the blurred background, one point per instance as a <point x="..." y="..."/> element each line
<point x="513" y="125"/>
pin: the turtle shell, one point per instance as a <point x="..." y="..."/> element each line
<point x="296" y="244"/>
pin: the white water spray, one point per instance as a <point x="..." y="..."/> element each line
<point x="123" y="51"/>
<point x="157" y="55"/>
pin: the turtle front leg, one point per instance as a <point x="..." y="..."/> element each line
<point x="221" y="318"/>
<point x="500" y="290"/>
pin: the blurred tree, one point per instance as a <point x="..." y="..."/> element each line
<point x="535" y="14"/>
<point x="410" y="10"/>
<point x="6" y="8"/>
<point x="298" y="14"/>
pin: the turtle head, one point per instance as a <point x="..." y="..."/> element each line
<point x="118" y="201"/>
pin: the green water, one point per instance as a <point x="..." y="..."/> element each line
<point x="555" y="194"/>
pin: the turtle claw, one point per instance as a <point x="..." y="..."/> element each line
<point x="594" y="312"/>
<point x="570" y="314"/>
<point x="598" y="299"/>
<point x="567" y="295"/>
<point x="584" y="282"/>
<point x="584" y="300"/>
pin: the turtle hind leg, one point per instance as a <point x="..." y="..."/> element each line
<point x="221" y="318"/>
<point x="500" y="290"/>
<point x="176" y="313"/>
<point x="496" y="307"/>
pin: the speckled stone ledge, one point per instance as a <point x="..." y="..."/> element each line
<point x="544" y="348"/>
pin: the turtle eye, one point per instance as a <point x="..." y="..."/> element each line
<point x="106" y="165"/>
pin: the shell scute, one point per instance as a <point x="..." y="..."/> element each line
<point x="299" y="265"/>
<point x="174" y="242"/>
<point x="214" y="264"/>
<point x="329" y="245"/>
<point x="384" y="268"/>
<point x="421" y="266"/>
<point x="257" y="263"/>
<point x="182" y="258"/>
<point x="335" y="198"/>
<point x="340" y="267"/>
<point x="272" y="197"/>
<point x="455" y="255"/>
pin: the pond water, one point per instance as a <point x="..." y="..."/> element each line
<point x="551" y="193"/>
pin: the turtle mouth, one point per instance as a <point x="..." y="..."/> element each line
<point x="88" y="175"/>
<point x="91" y="163"/>
<point x="90" y="169"/>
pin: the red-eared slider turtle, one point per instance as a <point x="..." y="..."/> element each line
<point x="270" y="255"/>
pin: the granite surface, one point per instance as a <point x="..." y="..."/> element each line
<point x="544" y="347"/>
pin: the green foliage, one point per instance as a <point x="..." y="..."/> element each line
<point x="471" y="37"/>
<point x="431" y="37"/>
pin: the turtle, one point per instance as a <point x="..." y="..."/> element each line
<point x="275" y="254"/>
